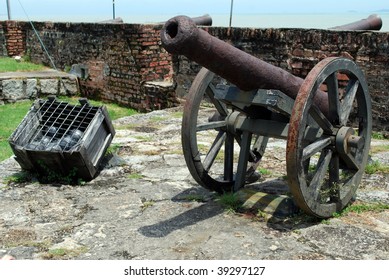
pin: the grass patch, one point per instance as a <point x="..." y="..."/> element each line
<point x="143" y="138"/>
<point x="12" y="114"/>
<point x="63" y="254"/>
<point x="178" y="115"/>
<point x="376" y="167"/>
<point x="377" y="136"/>
<point x="115" y="111"/>
<point x="10" y="117"/>
<point x="147" y="204"/>
<point x="195" y="198"/>
<point x="230" y="202"/>
<point x="158" y="118"/>
<point x="127" y="126"/>
<point x="135" y="176"/>
<point x="362" y="208"/>
<point x="8" y="64"/>
<point x="19" y="178"/>
<point x="264" y="171"/>
<point x="379" y="149"/>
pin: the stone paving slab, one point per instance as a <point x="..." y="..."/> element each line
<point x="49" y="73"/>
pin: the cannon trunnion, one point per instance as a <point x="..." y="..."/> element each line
<point x="238" y="101"/>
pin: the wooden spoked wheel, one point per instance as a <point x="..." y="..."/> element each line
<point x="210" y="146"/>
<point x="325" y="173"/>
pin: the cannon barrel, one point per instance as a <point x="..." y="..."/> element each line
<point x="205" y="20"/>
<point x="181" y="36"/>
<point x="373" y="22"/>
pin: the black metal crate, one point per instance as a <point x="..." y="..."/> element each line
<point x="63" y="138"/>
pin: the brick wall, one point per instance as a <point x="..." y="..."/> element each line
<point x="298" y="50"/>
<point x="120" y="60"/>
<point x="14" y="38"/>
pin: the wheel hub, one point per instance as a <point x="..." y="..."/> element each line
<point x="231" y="121"/>
<point x="346" y="139"/>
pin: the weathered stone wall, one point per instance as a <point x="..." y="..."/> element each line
<point x="298" y="50"/>
<point x="115" y="60"/>
<point x="3" y="45"/>
<point x="13" y="89"/>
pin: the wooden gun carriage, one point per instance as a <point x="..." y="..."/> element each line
<point x="325" y="119"/>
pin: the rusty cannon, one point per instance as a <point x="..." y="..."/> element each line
<point x="372" y="22"/>
<point x="237" y="101"/>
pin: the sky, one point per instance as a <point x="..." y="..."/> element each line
<point x="96" y="10"/>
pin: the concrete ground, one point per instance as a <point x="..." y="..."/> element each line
<point x="145" y="205"/>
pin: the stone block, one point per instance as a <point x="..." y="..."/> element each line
<point x="49" y="86"/>
<point x="31" y="88"/>
<point x="68" y="87"/>
<point x="13" y="90"/>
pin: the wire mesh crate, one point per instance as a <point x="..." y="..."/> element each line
<point x="63" y="138"/>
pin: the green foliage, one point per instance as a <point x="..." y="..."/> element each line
<point x="135" y="176"/>
<point x="195" y="197"/>
<point x="379" y="149"/>
<point x="378" y="136"/>
<point x="63" y="254"/>
<point x="361" y="208"/>
<point x="265" y="171"/>
<point x="10" y="117"/>
<point x="230" y="201"/>
<point x="147" y="204"/>
<point x="112" y="149"/>
<point x="19" y="178"/>
<point x="8" y="64"/>
<point x="47" y="176"/>
<point x="376" y="167"/>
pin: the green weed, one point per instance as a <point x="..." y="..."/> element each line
<point x="376" y="167"/>
<point x="379" y="149"/>
<point x="377" y="135"/>
<point x="195" y="197"/>
<point x="361" y="208"/>
<point x="230" y="202"/>
<point x="63" y="254"/>
<point x="264" y="171"/>
<point x="135" y="176"/>
<point x="147" y="204"/>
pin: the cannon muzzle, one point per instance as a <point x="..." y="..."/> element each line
<point x="373" y="22"/>
<point x="181" y="36"/>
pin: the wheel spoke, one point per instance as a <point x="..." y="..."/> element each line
<point x="213" y="152"/>
<point x="313" y="148"/>
<point x="334" y="169"/>
<point x="320" y="119"/>
<point x="334" y="177"/>
<point x="210" y="125"/>
<point x="333" y="97"/>
<point x="220" y="107"/>
<point x="350" y="161"/>
<point x="229" y="158"/>
<point x="321" y="171"/>
<point x="348" y="100"/>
